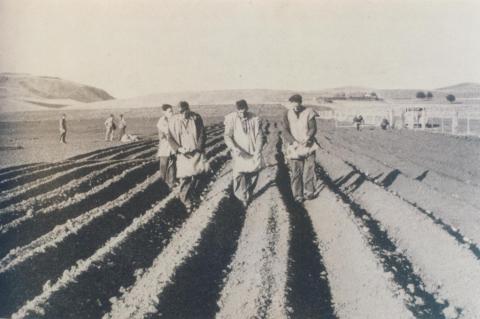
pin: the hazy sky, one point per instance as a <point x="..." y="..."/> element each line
<point x="133" y="48"/>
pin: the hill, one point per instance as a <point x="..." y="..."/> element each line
<point x="22" y="92"/>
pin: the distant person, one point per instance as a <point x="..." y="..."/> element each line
<point x="166" y="153"/>
<point x="188" y="141"/>
<point x="300" y="146"/>
<point x="122" y="127"/>
<point x="244" y="138"/>
<point x="358" y="121"/>
<point x="109" y="128"/>
<point x="63" y="129"/>
<point x="385" y="124"/>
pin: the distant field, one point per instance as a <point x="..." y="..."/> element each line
<point x="27" y="137"/>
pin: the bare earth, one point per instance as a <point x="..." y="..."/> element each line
<point x="394" y="232"/>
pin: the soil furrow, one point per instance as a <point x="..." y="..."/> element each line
<point x="49" y="183"/>
<point x="142" y="298"/>
<point x="448" y="270"/>
<point x="308" y="289"/>
<point x="73" y="189"/>
<point x="255" y="286"/>
<point x="27" y="230"/>
<point x="26" y="279"/>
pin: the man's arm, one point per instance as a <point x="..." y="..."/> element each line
<point x="312" y="131"/>
<point x="259" y="139"/>
<point x="287" y="135"/>
<point x="201" y="133"/>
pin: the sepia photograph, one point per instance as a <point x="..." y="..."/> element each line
<point x="238" y="159"/>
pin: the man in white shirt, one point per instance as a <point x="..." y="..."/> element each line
<point x="299" y="132"/>
<point x="188" y="141"/>
<point x="165" y="153"/>
<point x="122" y="126"/>
<point x="244" y="137"/>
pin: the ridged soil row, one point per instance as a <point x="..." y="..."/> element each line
<point x="62" y="194"/>
<point x="459" y="217"/>
<point x="360" y="287"/>
<point x="449" y="271"/>
<point x="9" y="185"/>
<point x="308" y="289"/>
<point x="10" y="171"/>
<point x="255" y="285"/>
<point x="47" y="184"/>
<point x="85" y="289"/>
<point x="414" y="169"/>
<point x="26" y="269"/>
<point x="25" y="229"/>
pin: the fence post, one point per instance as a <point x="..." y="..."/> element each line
<point x="443" y="129"/>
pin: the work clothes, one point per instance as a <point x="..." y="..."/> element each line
<point x="244" y="137"/>
<point x="164" y="147"/>
<point x="187" y="139"/>
<point x="109" y="128"/>
<point x="168" y="169"/>
<point x="188" y="134"/>
<point x="299" y="147"/>
<point x="122" y="127"/>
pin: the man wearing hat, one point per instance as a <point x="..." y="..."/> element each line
<point x="188" y="141"/>
<point x="300" y="145"/>
<point x="244" y="137"/>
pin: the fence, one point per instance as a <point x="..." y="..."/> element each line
<point x="446" y="121"/>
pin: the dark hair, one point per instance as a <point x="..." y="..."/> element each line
<point x="166" y="107"/>
<point x="296" y="98"/>
<point x="241" y="105"/>
<point x="184" y="106"/>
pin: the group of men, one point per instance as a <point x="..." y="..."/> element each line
<point x="181" y="149"/>
<point x="111" y="126"/>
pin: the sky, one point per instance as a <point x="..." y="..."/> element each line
<point x="133" y="48"/>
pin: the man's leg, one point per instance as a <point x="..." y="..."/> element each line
<point x="309" y="177"/>
<point x="296" y="179"/>
<point x="185" y="185"/>
<point x="251" y="181"/>
<point x="171" y="172"/>
<point x="163" y="161"/>
<point x="240" y="187"/>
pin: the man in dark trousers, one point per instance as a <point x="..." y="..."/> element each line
<point x="300" y="145"/>
<point x="63" y="129"/>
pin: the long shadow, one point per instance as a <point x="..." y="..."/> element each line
<point x="308" y="292"/>
<point x="43" y="223"/>
<point x="4" y="171"/>
<point x="392" y="260"/>
<point x="422" y="176"/>
<point x="390" y="178"/>
<point x="25" y="281"/>
<point x="62" y="195"/>
<point x="30" y="177"/>
<point x="52" y="184"/>
<point x="197" y="284"/>
<point x="89" y="296"/>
